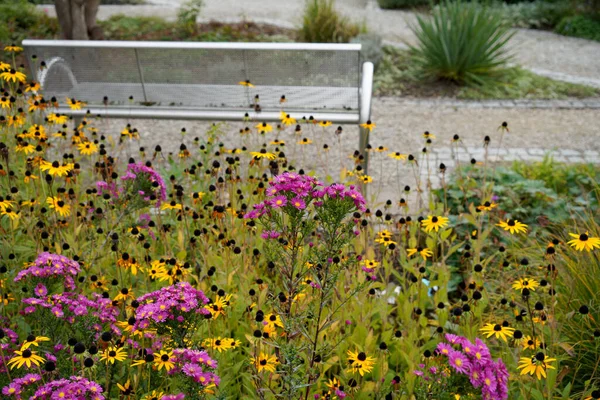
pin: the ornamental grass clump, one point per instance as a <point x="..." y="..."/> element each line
<point x="462" y="43"/>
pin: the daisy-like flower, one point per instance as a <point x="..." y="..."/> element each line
<point x="325" y="124"/>
<point x="525" y="283"/>
<point x="264" y="127"/>
<point x="13" y="75"/>
<point x="584" y="242"/>
<point x="513" y="226"/>
<point x="397" y="156"/>
<point x="459" y="362"/>
<point x="112" y="354"/>
<point x="537" y="365"/>
<point x="360" y="362"/>
<point x="368" y="125"/>
<point x="273" y="320"/>
<point x="24" y="147"/>
<point x="263" y="154"/>
<point x="87" y="148"/>
<point x="126" y="389"/>
<point x="298" y="203"/>
<point x="173" y="205"/>
<point x="265" y="362"/>
<point x="154" y="395"/>
<point x="246" y="83"/>
<point x="220" y="344"/>
<point x="55" y="169"/>
<point x="428" y="135"/>
<point x="366" y="179"/>
<point x="424" y="252"/>
<point x="5" y="203"/>
<point x="434" y="222"/>
<point x="58" y="205"/>
<point x="305" y="141"/>
<point x="25" y="357"/>
<point x="286" y="119"/>
<point x="58" y="119"/>
<point x="5" y="102"/>
<point x="10" y="213"/>
<point x="487" y="206"/>
<point x="33" y="341"/>
<point x="4" y="66"/>
<point x="75" y="104"/>
<point x="218" y="306"/>
<point x="32" y="86"/>
<point x="13" y="48"/>
<point x="380" y="149"/>
<point x="497" y="330"/>
<point x="370" y="265"/>
<point x="165" y="359"/>
<point x="384" y="237"/>
<point x="529" y="343"/>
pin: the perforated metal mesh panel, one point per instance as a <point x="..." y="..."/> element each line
<point x="201" y="78"/>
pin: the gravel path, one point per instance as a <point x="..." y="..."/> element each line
<point x="559" y="57"/>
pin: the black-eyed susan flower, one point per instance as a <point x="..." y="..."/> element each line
<point x="13" y="48"/>
<point x="265" y="362"/>
<point x="263" y="127"/>
<point x="529" y="343"/>
<point x="112" y="354"/>
<point x="5" y="102"/>
<point x="10" y="213"/>
<point x="24" y="147"/>
<point x="4" y="66"/>
<point x="5" y="203"/>
<point x="126" y="389"/>
<point x="246" y="83"/>
<point x="87" y="148"/>
<point x="305" y="141"/>
<point x="368" y="125"/>
<point x="58" y="119"/>
<point x="286" y="119"/>
<point x="13" y="75"/>
<point x="497" y="330"/>
<point x="58" y="205"/>
<point x="33" y="341"/>
<point x="32" y="86"/>
<point x="360" y="362"/>
<point x="428" y="135"/>
<point x="263" y="154"/>
<point x="513" y="226"/>
<point x="525" y="283"/>
<point x="220" y="344"/>
<point x="424" y="252"/>
<point x="594" y="395"/>
<point x="55" y="169"/>
<point x="487" y="206"/>
<point x="325" y="124"/>
<point x="26" y="357"/>
<point x="218" y="306"/>
<point x="154" y="395"/>
<point x="537" y="364"/>
<point x="584" y="242"/>
<point x="164" y="359"/>
<point x="434" y="222"/>
<point x="397" y="156"/>
<point x="75" y="104"/>
<point x="172" y="205"/>
<point x="273" y="320"/>
<point x="366" y="178"/>
<point x="380" y="149"/>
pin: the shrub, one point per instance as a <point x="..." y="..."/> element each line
<point x="461" y="42"/>
<point x="581" y="26"/>
<point x="20" y="20"/>
<point x="537" y="15"/>
<point x="321" y="23"/>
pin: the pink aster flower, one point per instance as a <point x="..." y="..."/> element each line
<point x="459" y="362"/>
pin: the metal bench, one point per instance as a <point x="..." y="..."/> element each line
<point x="201" y="81"/>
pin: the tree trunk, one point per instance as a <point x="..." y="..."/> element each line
<point x="77" y="19"/>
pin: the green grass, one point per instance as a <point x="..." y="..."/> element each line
<point x="398" y="75"/>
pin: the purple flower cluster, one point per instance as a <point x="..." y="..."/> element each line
<point x="74" y="388"/>
<point x="297" y="191"/>
<point x="15" y="388"/>
<point x="48" y="265"/>
<point x="70" y="305"/>
<point x="196" y="364"/>
<point x="179" y="396"/>
<point x="475" y="360"/>
<point x="148" y="179"/>
<point x="170" y="303"/>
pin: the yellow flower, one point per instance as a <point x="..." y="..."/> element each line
<point x="87" y="148"/>
<point x="529" y="343"/>
<point x="497" y="330"/>
<point x="55" y="169"/>
<point x="15" y="120"/>
<point x="218" y="306"/>
<point x="262" y="154"/>
<point x="359" y="362"/>
<point x="221" y="344"/>
<point x="273" y="320"/>
<point x="525" y="283"/>
<point x="264" y="127"/>
<point x="584" y="242"/>
<point x="4" y="66"/>
<point x="433" y="222"/>
<point x="366" y="179"/>
<point x="33" y="341"/>
<point x="487" y="206"/>
<point x="245" y="83"/>
<point x="384" y="237"/>
<point x="55" y="203"/>
<point x="371" y="264"/>
<point x="428" y="135"/>
<point x="13" y="48"/>
<point x="278" y="142"/>
<point x="171" y="206"/>
<point x="25" y="357"/>
<point x="286" y="119"/>
<point x="58" y="118"/>
<point x="368" y="125"/>
<point x="32" y="86"/>
<point x="165" y="359"/>
<point x="24" y="147"/>
<point x="512" y="225"/>
<point x="5" y="203"/>
<point x="75" y="104"/>
<point x="154" y="395"/>
<point x="537" y="365"/>
<point x="5" y="102"/>
<point x="112" y="354"/>
<point x="13" y="75"/>
<point x="305" y="141"/>
<point x="126" y="389"/>
<point x="397" y="156"/>
<point x="424" y="252"/>
<point x="265" y="362"/>
<point x="380" y="149"/>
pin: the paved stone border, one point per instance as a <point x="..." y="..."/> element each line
<point x="592" y="103"/>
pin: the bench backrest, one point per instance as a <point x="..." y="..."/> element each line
<point x="324" y="77"/>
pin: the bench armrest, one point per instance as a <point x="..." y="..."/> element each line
<point x="366" y="92"/>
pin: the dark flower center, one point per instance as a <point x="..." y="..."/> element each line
<point x="540" y="356"/>
<point x="217" y="342"/>
<point x="263" y="362"/>
<point x="112" y="353"/>
<point x="362" y="356"/>
<point x="583" y="237"/>
<point x="164" y="357"/>
<point x="497" y="328"/>
<point x="26" y="353"/>
<point x="434" y="219"/>
<point x="273" y="318"/>
<point x="511" y="222"/>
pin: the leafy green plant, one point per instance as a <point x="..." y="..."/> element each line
<point x="461" y="42"/>
<point x="20" y="20"/>
<point x="581" y="26"/>
<point x="321" y="23"/>
<point x="188" y="14"/>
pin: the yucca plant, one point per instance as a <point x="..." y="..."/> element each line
<point x="461" y="42"/>
<point x="321" y="23"/>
